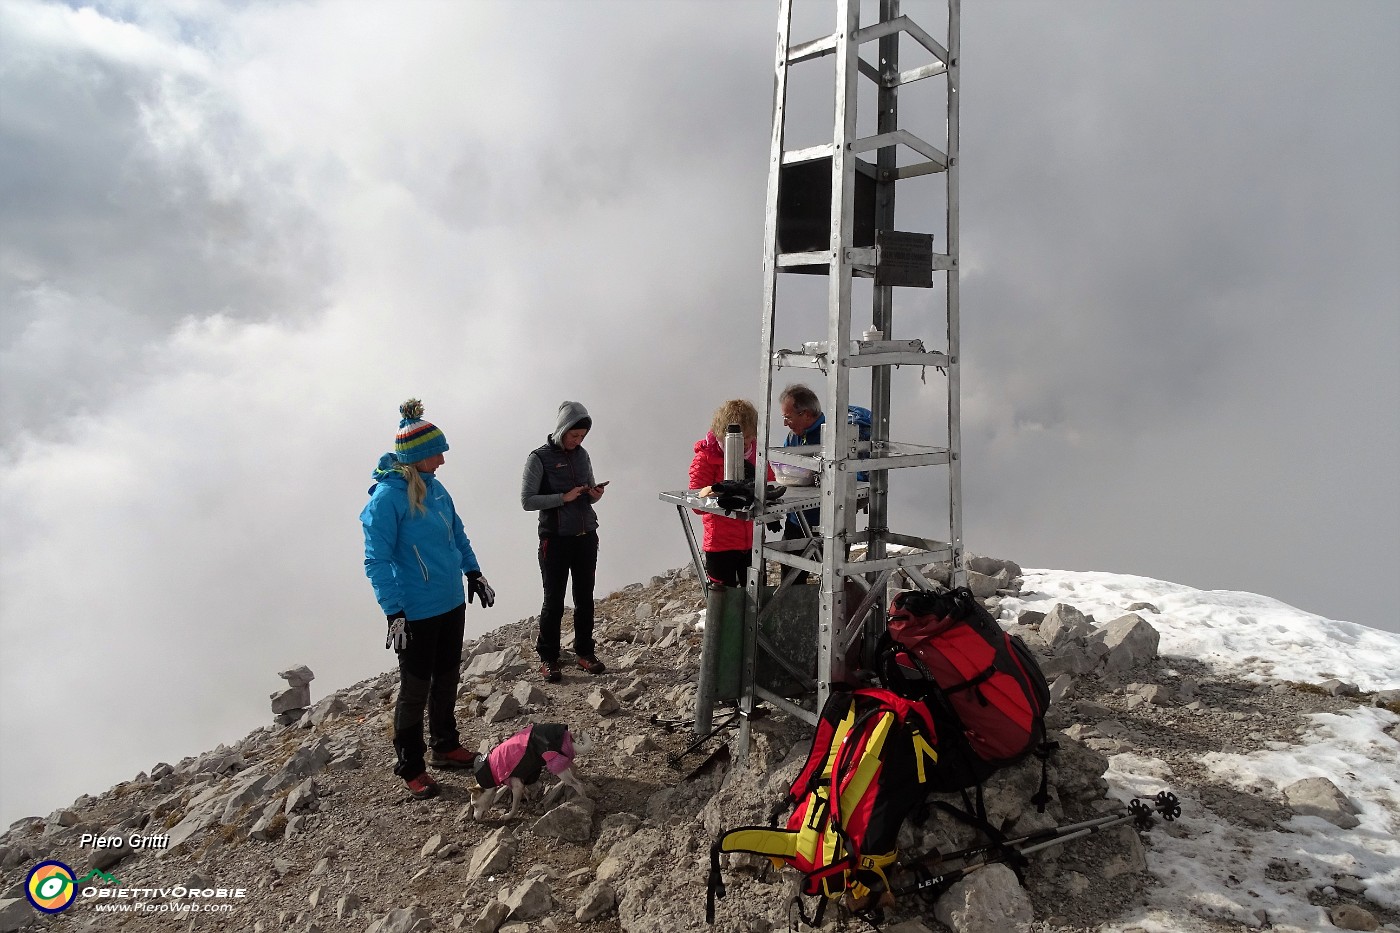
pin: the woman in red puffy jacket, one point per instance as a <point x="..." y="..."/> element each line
<point x="727" y="541"/>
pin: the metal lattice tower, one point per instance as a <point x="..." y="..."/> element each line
<point x="831" y="211"/>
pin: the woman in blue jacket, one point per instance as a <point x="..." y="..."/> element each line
<point x="416" y="554"/>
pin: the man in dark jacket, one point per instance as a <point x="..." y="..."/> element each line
<point x="558" y="483"/>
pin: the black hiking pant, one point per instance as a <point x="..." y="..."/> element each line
<point x="727" y="568"/>
<point x="430" y="668"/>
<point x="561" y="558"/>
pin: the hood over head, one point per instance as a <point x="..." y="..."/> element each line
<point x="570" y="416"/>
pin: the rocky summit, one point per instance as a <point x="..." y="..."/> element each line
<point x="303" y="827"/>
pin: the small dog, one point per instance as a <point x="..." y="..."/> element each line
<point x="520" y="760"/>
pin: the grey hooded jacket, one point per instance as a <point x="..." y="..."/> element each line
<point x="551" y="471"/>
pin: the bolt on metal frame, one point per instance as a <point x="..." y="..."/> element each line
<point x="844" y="617"/>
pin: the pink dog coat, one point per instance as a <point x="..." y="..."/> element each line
<point x="525" y="754"/>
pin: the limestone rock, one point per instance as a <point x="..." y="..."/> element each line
<point x="295" y="697"/>
<point x="246" y="790"/>
<point x="329" y="708"/>
<point x="597" y="899"/>
<point x="298" y="676"/>
<point x="602" y="700"/>
<point x="528" y="694"/>
<point x="987" y="901"/>
<point x="1129" y="856"/>
<point x="501" y="707"/>
<point x="992" y="566"/>
<point x="614" y="828"/>
<point x="60" y="818"/>
<point x="347" y="905"/>
<point x="15" y="913"/>
<point x="983" y="586"/>
<point x="1063" y="624"/>
<point x="270" y="824"/>
<point x="1317" y="796"/>
<point x="493" y="854"/>
<point x="484" y="665"/>
<point x="531" y="900"/>
<point x="569" y="822"/>
<point x="637" y="744"/>
<point x="1151" y="694"/>
<point x="305" y="761"/>
<point x="302" y="797"/>
<point x="610" y="867"/>
<point x="908" y="926"/>
<point x="1030" y="617"/>
<point x="491" y="918"/>
<point x="403" y="920"/>
<point x="1351" y="917"/>
<point x="1130" y="641"/>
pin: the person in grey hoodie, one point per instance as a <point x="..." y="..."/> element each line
<point x="559" y="484"/>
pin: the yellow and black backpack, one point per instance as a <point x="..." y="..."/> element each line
<point x="873" y="759"/>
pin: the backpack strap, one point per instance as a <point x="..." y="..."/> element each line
<point x="714" y="885"/>
<point x="888" y="652"/>
<point x="996" y="838"/>
<point x="816" y="919"/>
<point x="1043" y="751"/>
<point x="848" y="757"/>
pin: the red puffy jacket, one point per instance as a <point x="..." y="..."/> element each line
<point x="706" y="469"/>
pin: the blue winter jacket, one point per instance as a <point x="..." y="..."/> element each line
<point x="414" y="562"/>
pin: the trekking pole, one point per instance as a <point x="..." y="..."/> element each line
<point x="675" y="760"/>
<point x="1165" y="804"/>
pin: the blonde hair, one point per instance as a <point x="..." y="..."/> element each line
<point x="417" y="489"/>
<point x="736" y="411"/>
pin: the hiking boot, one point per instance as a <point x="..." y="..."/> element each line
<point x="423" y="786"/>
<point x="591" y="664"/>
<point x="550" y="671"/>
<point x="457" y="759"/>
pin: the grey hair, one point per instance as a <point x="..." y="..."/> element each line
<point x="803" y="398"/>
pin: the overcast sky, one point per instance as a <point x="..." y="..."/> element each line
<point x="233" y="237"/>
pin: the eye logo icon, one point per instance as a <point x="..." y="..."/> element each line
<point x="50" y="887"/>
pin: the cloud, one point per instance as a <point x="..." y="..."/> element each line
<point x="236" y="237"/>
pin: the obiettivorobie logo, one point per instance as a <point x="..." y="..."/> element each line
<point x="51" y="886"/>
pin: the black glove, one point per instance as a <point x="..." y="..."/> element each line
<point x="734" y="495"/>
<point x="478" y="587"/>
<point x="397" y="638"/>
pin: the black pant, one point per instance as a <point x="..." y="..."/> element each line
<point x="726" y="568"/>
<point x="560" y="557"/>
<point x="429" y="669"/>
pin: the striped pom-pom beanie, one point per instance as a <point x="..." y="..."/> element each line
<point x="417" y="439"/>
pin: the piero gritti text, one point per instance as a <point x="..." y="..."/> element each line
<point x="132" y="841"/>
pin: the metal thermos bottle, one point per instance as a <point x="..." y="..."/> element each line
<point x="733" y="452"/>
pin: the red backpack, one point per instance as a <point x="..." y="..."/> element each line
<point x="984" y="678"/>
